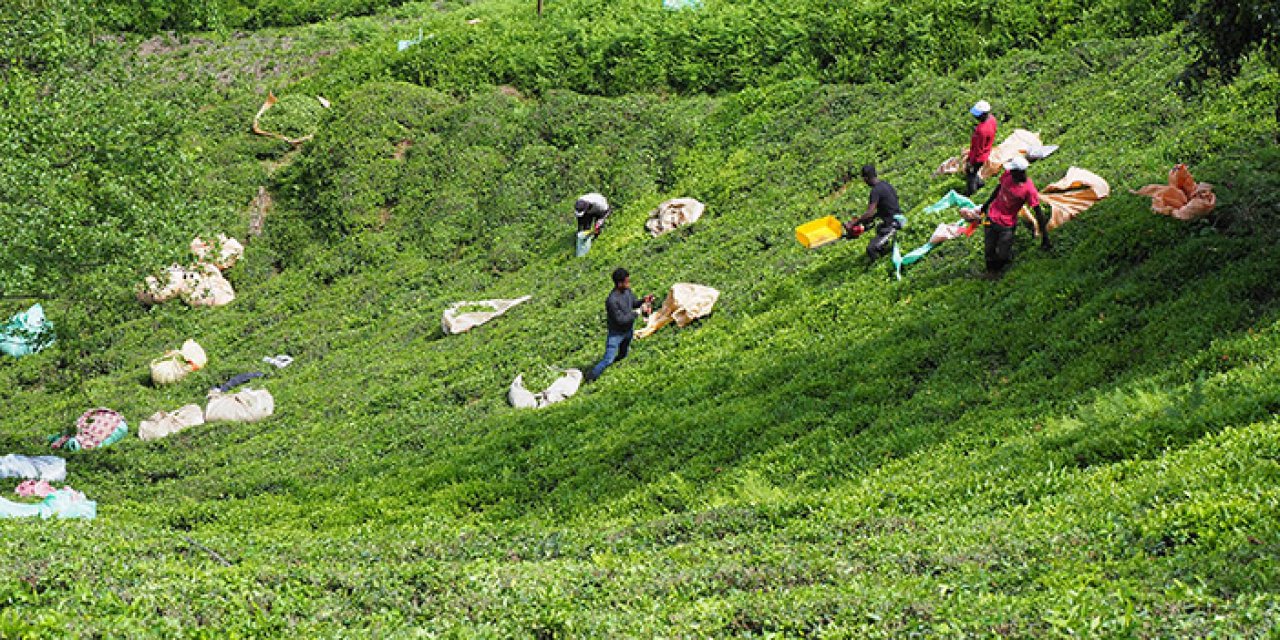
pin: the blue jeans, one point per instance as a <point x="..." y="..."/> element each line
<point x="615" y="349"/>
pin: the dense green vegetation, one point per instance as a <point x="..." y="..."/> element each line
<point x="1087" y="447"/>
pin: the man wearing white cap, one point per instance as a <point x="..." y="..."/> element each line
<point x="1014" y="191"/>
<point x="984" y="137"/>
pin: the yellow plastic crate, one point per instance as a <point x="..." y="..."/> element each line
<point x="818" y="232"/>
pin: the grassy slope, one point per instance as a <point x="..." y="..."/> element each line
<point x="1086" y="446"/>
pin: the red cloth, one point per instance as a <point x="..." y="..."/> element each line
<point x="984" y="135"/>
<point x="1012" y="197"/>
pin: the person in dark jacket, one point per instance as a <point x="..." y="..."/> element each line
<point x="882" y="204"/>
<point x="620" y="307"/>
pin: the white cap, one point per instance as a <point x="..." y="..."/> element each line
<point x="980" y="107"/>
<point x="1017" y="164"/>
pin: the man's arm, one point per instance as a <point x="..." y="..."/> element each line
<point x="869" y="215"/>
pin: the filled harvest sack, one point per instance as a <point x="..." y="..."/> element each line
<point x="209" y="288"/>
<point x="222" y="253"/>
<point x="171" y="283"/>
<point x="684" y="304"/>
<point x="1183" y="198"/>
<point x="26" y="333"/>
<point x="673" y="214"/>
<point x="164" y="423"/>
<point x="95" y="429"/>
<point x="199" y="285"/>
<point x="250" y="405"/>
<point x="454" y="321"/>
<point x="173" y="366"/>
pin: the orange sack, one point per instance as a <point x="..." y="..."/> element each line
<point x="1183" y="198"/>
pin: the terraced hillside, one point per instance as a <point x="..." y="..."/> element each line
<point x="1086" y="447"/>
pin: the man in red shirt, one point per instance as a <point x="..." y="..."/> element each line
<point x="1014" y="191"/>
<point x="984" y="137"/>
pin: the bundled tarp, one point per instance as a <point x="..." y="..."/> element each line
<point x="62" y="503"/>
<point x="51" y="468"/>
<point x="1019" y="143"/>
<point x="173" y="366"/>
<point x="250" y="405"/>
<point x="673" y="214"/>
<point x="95" y="429"/>
<point x="26" y="332"/>
<point x="1183" y="198"/>
<point x="454" y="321"/>
<point x="943" y="232"/>
<point x="563" y="388"/>
<point x="685" y="303"/>
<point x="1068" y="197"/>
<point x="164" y="423"/>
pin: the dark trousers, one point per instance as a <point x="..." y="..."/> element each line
<point x="999" y="246"/>
<point x="616" y="346"/>
<point x="587" y="222"/>
<point x="971" y="180"/>
<point x="883" y="242"/>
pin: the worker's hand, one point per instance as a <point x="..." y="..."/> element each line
<point x="648" y="299"/>
<point x="646" y="309"/>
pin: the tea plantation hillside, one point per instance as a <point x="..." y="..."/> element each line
<point x="1087" y="447"/>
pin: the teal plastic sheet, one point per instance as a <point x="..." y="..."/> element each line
<point x="26" y="333"/>
<point x="63" y="503"/>
<point x="952" y="199"/>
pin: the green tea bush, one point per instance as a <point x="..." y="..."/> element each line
<point x="620" y="47"/>
<point x="150" y="16"/>
<point x="1086" y="447"/>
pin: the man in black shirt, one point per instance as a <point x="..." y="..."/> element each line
<point x="883" y="204"/>
<point x="621" y="308"/>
